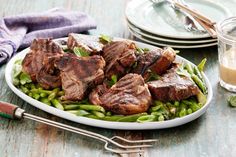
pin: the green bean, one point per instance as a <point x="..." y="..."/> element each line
<point x="98" y="114"/>
<point x="161" y="118"/>
<point x="79" y="112"/>
<point x="24" y="89"/>
<point x="45" y="100"/>
<point x="53" y="94"/>
<point x="16" y="81"/>
<point x="131" y="118"/>
<point x="17" y="69"/>
<point x="108" y="113"/>
<point x="39" y="90"/>
<point x="92" y="108"/>
<point x="35" y="96"/>
<point x="113" y="118"/>
<point x="186" y="102"/>
<point x="32" y="86"/>
<point x="176" y="103"/>
<point x="202" y="64"/>
<point x="197" y="72"/>
<point x="182" y="112"/>
<point x="71" y="107"/>
<point x="189" y="68"/>
<point x="30" y="94"/>
<point x="158" y="103"/>
<point x="43" y="95"/>
<point x="193" y="105"/>
<point x="158" y="113"/>
<point x="56" y="103"/>
<point x="189" y="111"/>
<point x="155" y="108"/>
<point x="146" y="118"/>
<point x="61" y="93"/>
<point x="92" y="116"/>
<point x="27" y="85"/>
<point x="25" y="78"/>
<point x="200" y="84"/>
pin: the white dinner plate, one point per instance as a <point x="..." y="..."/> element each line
<point x="177" y="41"/>
<point x="101" y="123"/>
<point x="166" y="44"/>
<point x="162" y="20"/>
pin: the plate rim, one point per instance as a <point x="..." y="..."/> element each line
<point x="141" y="32"/>
<point x="157" y="43"/>
<point x="101" y="123"/>
<point x="228" y="13"/>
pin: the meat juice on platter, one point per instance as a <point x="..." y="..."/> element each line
<point x="99" y="78"/>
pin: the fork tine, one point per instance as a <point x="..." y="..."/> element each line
<point x="134" y="141"/>
<point x="86" y="133"/>
<point x="122" y="151"/>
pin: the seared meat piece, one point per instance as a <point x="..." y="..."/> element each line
<point x="164" y="62"/>
<point x="79" y="74"/>
<point x="40" y="50"/>
<point x="145" y="60"/>
<point x="49" y="75"/>
<point x="129" y="95"/>
<point x="119" y="56"/>
<point x="94" y="96"/>
<point x="87" y="43"/>
<point x="172" y="87"/>
<point x="158" y="61"/>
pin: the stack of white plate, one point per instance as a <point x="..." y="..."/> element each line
<point x="160" y="25"/>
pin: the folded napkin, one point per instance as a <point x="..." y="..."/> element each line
<point x="18" y="31"/>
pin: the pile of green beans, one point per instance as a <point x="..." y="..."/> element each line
<point x="158" y="111"/>
<point x="196" y="76"/>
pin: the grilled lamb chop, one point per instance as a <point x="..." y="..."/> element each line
<point x="129" y="95"/>
<point x="40" y="52"/>
<point x="172" y="87"/>
<point x="145" y="60"/>
<point x="158" y="61"/>
<point x="87" y="43"/>
<point x="94" y="96"/>
<point x="119" y="56"/>
<point x="49" y="75"/>
<point x="79" y="74"/>
<point x="164" y="62"/>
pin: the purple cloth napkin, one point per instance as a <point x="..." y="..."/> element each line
<point x="18" y="31"/>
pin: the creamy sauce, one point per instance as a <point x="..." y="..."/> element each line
<point x="227" y="67"/>
<point x="228" y="75"/>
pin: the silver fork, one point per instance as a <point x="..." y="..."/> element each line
<point x="189" y="23"/>
<point x="8" y="110"/>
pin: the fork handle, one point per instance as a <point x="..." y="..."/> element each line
<point x="11" y="111"/>
<point x="194" y="13"/>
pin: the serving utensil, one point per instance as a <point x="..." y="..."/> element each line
<point x="189" y="24"/>
<point x="204" y="21"/>
<point x="209" y="28"/>
<point x="11" y="111"/>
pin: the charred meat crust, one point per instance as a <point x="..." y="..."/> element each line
<point x="164" y="62"/>
<point x="172" y="87"/>
<point x="76" y="82"/>
<point x="129" y="95"/>
<point x="158" y="61"/>
<point x="145" y="60"/>
<point x="36" y="62"/>
<point x="119" y="56"/>
<point x="96" y="93"/>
